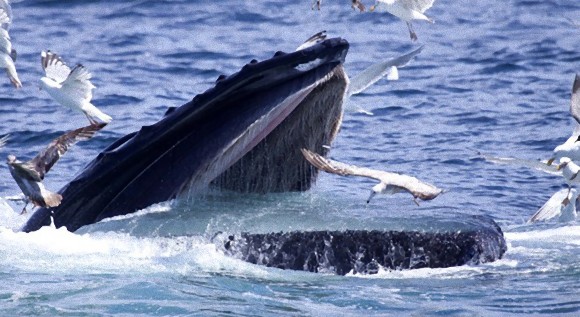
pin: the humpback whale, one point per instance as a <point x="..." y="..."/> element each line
<point x="245" y="134"/>
<point x="236" y="135"/>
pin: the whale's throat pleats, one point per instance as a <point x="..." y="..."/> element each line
<point x="276" y="163"/>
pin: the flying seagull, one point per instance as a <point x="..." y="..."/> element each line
<point x="71" y="88"/>
<point x="407" y="10"/>
<point x="390" y="183"/>
<point x="355" y="4"/>
<point x="370" y="75"/>
<point x="29" y="175"/>
<point x="7" y="53"/>
<point x="562" y="205"/>
<point x="571" y="148"/>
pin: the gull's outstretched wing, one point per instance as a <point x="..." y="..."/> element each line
<point x="49" y="156"/>
<point x="54" y="67"/>
<point x="78" y="83"/>
<point x="314" y="39"/>
<point x="552" y="208"/>
<point x="575" y="100"/>
<point x="537" y="165"/>
<point x="411" y="184"/>
<point x="3" y="140"/>
<point x="377" y="71"/>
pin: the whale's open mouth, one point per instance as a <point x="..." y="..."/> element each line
<point x="243" y="134"/>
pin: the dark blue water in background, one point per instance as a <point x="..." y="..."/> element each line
<point x="495" y="76"/>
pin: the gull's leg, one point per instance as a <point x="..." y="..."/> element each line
<point x="415" y="201"/>
<point x="316" y="3"/>
<point x="412" y="31"/>
<point x="24" y="209"/>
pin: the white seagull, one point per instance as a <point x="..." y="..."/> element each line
<point x="407" y="10"/>
<point x="562" y="205"/>
<point x="29" y="175"/>
<point x="390" y="183"/>
<point x="371" y="74"/>
<point x="71" y="88"/>
<point x="7" y="53"/>
<point x="571" y="148"/>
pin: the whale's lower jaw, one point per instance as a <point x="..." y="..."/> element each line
<point x="276" y="163"/>
<point x="365" y="252"/>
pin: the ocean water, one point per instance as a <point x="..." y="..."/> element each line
<point x="495" y="76"/>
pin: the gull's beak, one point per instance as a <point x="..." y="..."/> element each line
<point x="550" y="161"/>
<point x="562" y="165"/>
<point x="371" y="196"/>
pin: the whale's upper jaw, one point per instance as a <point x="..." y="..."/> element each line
<point x="235" y="121"/>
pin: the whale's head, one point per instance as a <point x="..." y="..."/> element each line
<point x="244" y="134"/>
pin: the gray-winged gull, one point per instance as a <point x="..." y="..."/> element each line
<point x="29" y="175"/>
<point x="390" y="183"/>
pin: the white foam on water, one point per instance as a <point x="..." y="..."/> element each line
<point x="458" y="272"/>
<point x="565" y="234"/>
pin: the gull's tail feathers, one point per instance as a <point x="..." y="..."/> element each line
<point x="93" y="112"/>
<point x="13" y="76"/>
<point x="52" y="199"/>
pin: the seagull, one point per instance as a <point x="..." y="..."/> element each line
<point x="407" y="10"/>
<point x="562" y="205"/>
<point x="571" y="148"/>
<point x="390" y="183"/>
<point x="7" y="53"/>
<point x="355" y="4"/>
<point x="29" y="175"/>
<point x="71" y="88"/>
<point x="369" y="75"/>
<point x="376" y="72"/>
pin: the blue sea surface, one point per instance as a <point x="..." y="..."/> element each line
<point x="494" y="76"/>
